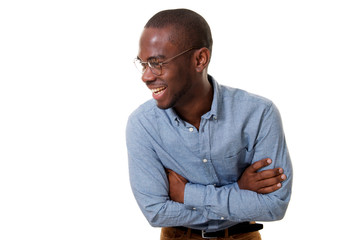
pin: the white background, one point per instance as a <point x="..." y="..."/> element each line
<point x="68" y="85"/>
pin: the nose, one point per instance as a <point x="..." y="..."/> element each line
<point x="148" y="75"/>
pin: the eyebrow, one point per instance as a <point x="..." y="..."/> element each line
<point x="153" y="57"/>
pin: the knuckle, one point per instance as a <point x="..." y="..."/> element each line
<point x="260" y="175"/>
<point x="254" y="166"/>
<point x="272" y="182"/>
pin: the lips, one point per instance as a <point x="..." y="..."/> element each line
<point x="158" y="91"/>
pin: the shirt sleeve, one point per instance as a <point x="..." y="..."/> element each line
<point x="149" y="182"/>
<point x="231" y="203"/>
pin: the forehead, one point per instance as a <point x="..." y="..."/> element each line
<point x="155" y="42"/>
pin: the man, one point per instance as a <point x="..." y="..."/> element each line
<point x="205" y="160"/>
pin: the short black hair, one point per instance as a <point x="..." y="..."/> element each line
<point x="190" y="29"/>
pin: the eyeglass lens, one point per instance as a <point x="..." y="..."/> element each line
<point x="155" y="68"/>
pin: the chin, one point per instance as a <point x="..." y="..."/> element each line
<point x="164" y="105"/>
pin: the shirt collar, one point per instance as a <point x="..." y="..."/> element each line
<point x="214" y="111"/>
<point x="173" y="116"/>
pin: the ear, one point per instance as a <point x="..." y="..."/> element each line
<point x="202" y="59"/>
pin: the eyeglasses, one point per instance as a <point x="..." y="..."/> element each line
<point x="154" y="64"/>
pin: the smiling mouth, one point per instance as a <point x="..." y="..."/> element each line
<point x="158" y="91"/>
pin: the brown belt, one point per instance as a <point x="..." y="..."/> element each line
<point x="243" y="227"/>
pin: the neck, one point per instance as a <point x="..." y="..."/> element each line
<point x="199" y="104"/>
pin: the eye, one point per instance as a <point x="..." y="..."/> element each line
<point x="155" y="64"/>
<point x="143" y="65"/>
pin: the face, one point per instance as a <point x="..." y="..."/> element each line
<point x="173" y="87"/>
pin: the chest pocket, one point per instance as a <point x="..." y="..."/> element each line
<point x="232" y="166"/>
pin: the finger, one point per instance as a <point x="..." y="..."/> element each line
<point x="271" y="181"/>
<point x="260" y="164"/>
<point x="270" y="189"/>
<point x="268" y="173"/>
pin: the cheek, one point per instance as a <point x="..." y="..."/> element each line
<point x="173" y="78"/>
<point x="176" y="76"/>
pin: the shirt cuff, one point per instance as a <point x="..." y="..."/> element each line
<point x="194" y="195"/>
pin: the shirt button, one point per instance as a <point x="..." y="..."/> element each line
<point x="215" y="118"/>
<point x="191" y="129"/>
<point x="205" y="160"/>
<point x="222" y="218"/>
<point x="194" y="208"/>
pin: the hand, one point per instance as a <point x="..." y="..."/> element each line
<point x="263" y="182"/>
<point x="176" y="186"/>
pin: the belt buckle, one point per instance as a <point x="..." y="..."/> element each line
<point x="203" y="235"/>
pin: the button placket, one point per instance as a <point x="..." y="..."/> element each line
<point x="205" y="146"/>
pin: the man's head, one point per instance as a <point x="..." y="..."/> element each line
<point x="190" y="29"/>
<point x="178" y="43"/>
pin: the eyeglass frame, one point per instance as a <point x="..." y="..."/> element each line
<point x="148" y="64"/>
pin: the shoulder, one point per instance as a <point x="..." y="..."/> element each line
<point x="243" y="98"/>
<point x="146" y="109"/>
<point x="144" y="117"/>
<point x="249" y="107"/>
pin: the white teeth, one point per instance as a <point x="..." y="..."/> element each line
<point x="158" y="90"/>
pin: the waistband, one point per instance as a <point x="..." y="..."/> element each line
<point x="243" y="227"/>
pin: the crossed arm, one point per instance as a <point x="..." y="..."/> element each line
<point x="252" y="179"/>
<point x="261" y="193"/>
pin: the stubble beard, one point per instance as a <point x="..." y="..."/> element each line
<point x="176" y="98"/>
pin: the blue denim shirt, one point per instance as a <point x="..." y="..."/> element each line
<point x="240" y="129"/>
